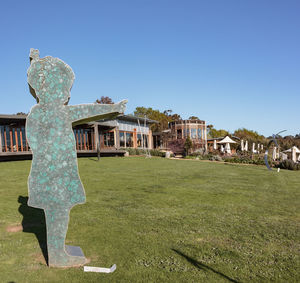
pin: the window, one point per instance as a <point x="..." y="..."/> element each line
<point x="193" y="133"/>
<point x="179" y="134"/>
<point x="199" y="133"/>
<point x="187" y="132"/>
<point x="139" y="140"/>
<point x="145" y="138"/>
<point x="129" y="139"/>
<point x="109" y="139"/>
<point x="122" y="139"/>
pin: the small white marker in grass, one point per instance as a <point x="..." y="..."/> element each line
<point x="99" y="269"/>
<point x="278" y="169"/>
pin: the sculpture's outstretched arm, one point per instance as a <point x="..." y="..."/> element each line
<point x="84" y="113"/>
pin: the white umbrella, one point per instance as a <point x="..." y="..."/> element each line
<point x="295" y="148"/>
<point x="274" y="154"/>
<point x="246" y="146"/>
<point x="253" y="148"/>
<point x="227" y="140"/>
<point x="215" y="144"/>
<point x="283" y="155"/>
<point x="294" y="153"/>
<point x="227" y="148"/>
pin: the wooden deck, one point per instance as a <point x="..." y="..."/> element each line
<point x="27" y="155"/>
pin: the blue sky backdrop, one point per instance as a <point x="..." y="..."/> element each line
<point x="233" y="63"/>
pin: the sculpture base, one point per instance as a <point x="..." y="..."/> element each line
<point x="74" y="251"/>
<point x="73" y="257"/>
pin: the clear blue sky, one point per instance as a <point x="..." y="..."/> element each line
<point x="233" y="63"/>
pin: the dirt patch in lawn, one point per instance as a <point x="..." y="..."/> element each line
<point x="14" y="228"/>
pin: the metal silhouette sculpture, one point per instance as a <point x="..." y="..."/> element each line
<point x="267" y="150"/>
<point x="54" y="183"/>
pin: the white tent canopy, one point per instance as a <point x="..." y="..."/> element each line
<point x="290" y="150"/>
<point x="227" y="140"/>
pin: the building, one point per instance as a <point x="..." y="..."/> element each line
<point x="174" y="137"/>
<point x="112" y="135"/>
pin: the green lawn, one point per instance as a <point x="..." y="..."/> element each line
<point x="162" y="220"/>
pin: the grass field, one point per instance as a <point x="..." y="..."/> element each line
<point x="161" y="220"/>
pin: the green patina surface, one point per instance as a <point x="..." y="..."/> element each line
<point x="54" y="183"/>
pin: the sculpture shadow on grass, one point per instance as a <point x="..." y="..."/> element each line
<point x="34" y="222"/>
<point x="202" y="266"/>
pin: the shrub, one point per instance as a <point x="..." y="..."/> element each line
<point x="188" y="145"/>
<point x="156" y="152"/>
<point x="289" y="164"/>
<point x="216" y="158"/>
<point x="140" y="151"/>
<point x="131" y="151"/>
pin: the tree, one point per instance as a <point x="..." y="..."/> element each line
<point x="104" y="100"/>
<point x="21" y="113"/>
<point x="188" y="145"/>
<point x="249" y="135"/>
<point x="172" y="117"/>
<point x="194" y="118"/>
<point x="214" y="133"/>
<point x="153" y="115"/>
<point x="175" y="117"/>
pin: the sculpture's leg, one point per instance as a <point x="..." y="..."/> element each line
<point x="57" y="225"/>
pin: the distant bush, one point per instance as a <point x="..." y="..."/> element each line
<point x="246" y="159"/>
<point x="140" y="151"/>
<point x="194" y="154"/>
<point x="156" y="152"/>
<point x="215" y="158"/>
<point x="289" y="164"/>
<point x="134" y="151"/>
<point x="209" y="156"/>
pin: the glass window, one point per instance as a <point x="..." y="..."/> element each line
<point x="179" y="134"/>
<point x="109" y="139"/>
<point x="200" y="133"/>
<point x="193" y="133"/>
<point x="23" y="135"/>
<point x="122" y="139"/>
<point x="129" y="139"/>
<point x="145" y="137"/>
<point x="139" y="140"/>
<point x="187" y="132"/>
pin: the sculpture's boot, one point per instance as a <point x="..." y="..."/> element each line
<point x="57" y="225"/>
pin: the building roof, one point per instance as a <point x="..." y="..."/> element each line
<point x="135" y="119"/>
<point x="13" y="116"/>
<point x="120" y="117"/>
<point x="183" y="122"/>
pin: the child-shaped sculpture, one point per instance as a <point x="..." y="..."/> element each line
<point x="54" y="183"/>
